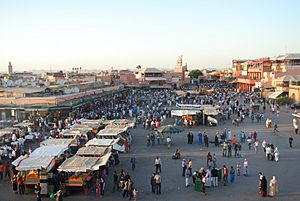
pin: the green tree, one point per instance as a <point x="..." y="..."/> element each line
<point x="195" y="73"/>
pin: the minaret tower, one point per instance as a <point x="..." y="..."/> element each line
<point x="10" y="68"/>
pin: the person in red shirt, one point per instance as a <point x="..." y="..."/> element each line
<point x="7" y="170"/>
<point x="225" y="175"/>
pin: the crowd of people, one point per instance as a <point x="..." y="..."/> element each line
<point x="151" y="109"/>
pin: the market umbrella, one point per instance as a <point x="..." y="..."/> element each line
<point x="169" y="129"/>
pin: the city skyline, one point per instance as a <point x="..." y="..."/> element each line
<point x="123" y="34"/>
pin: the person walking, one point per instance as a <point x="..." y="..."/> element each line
<point x="126" y="188"/>
<point x="246" y="171"/>
<point x="256" y="145"/>
<point x="214" y="160"/>
<point x="238" y="169"/>
<point x="102" y="186"/>
<point x="133" y="162"/>
<point x="157" y="179"/>
<point x="190" y="166"/>
<point x="7" y="170"/>
<point x="183" y="165"/>
<point x="191" y="138"/>
<point x="152" y="182"/>
<point x="37" y="190"/>
<point x="264" y="145"/>
<point x="263" y="186"/>
<point x="232" y="175"/>
<point x="291" y="141"/>
<point x="225" y="175"/>
<point x="115" y="181"/>
<point x="169" y="142"/>
<point x="97" y="186"/>
<point x="20" y="180"/>
<point x="275" y="128"/>
<point x="214" y="177"/>
<point x="273" y="187"/>
<point x="1" y="170"/>
<point x="187" y="178"/>
<point x="157" y="163"/>
<point x="276" y="154"/>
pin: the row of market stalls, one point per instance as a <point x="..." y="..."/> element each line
<point x="77" y="162"/>
<point x="196" y="114"/>
<point x="21" y="129"/>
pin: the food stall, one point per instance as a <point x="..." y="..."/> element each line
<point x="117" y="133"/>
<point x="80" y="170"/>
<point x="116" y="144"/>
<point x="38" y="164"/>
<point x="36" y="169"/>
<point x="196" y="114"/>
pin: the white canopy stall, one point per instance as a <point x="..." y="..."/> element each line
<point x="36" y="163"/>
<point x="83" y="164"/>
<point x="93" y="151"/>
<point x="57" y="142"/>
<point x="49" y="150"/>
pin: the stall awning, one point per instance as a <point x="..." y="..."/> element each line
<point x="210" y="111"/>
<point x="275" y="94"/>
<point x="57" y="142"/>
<point x="18" y="160"/>
<point x="75" y="132"/>
<point x="110" y="132"/>
<point x="49" y="150"/>
<point x="83" y="164"/>
<point x="180" y="113"/>
<point x="36" y="163"/>
<point x="103" y="161"/>
<point x="93" y="151"/>
<point x="102" y="142"/>
<point x="78" y="164"/>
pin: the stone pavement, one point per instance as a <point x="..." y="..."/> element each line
<point x="173" y="189"/>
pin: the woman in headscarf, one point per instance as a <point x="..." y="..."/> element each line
<point x="263" y="186"/>
<point x="273" y="187"/>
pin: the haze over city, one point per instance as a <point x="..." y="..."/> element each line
<point x="123" y="34"/>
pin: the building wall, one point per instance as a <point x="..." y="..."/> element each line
<point x="294" y="93"/>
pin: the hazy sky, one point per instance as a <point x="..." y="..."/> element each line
<point x="61" y="34"/>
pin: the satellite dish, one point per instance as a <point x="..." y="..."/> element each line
<point x="24" y="84"/>
<point x="33" y="84"/>
<point x="47" y="84"/>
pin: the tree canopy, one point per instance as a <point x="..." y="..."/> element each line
<point x="195" y="73"/>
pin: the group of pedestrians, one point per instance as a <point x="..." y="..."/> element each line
<point x="263" y="186"/>
<point x="124" y="184"/>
